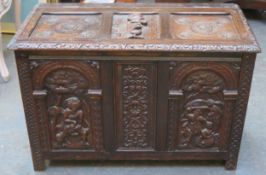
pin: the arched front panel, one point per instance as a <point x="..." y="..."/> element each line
<point x="201" y="99"/>
<point x="68" y="97"/>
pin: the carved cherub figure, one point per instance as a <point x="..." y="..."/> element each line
<point x="72" y="121"/>
<point x="73" y="115"/>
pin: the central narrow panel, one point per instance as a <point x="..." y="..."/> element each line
<point x="135" y="106"/>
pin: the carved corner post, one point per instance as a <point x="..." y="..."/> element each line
<point x="245" y="79"/>
<point x="30" y="110"/>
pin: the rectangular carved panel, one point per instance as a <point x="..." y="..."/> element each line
<point x="136" y="26"/>
<point x="136" y="104"/>
<point x="208" y="27"/>
<point x="201" y="100"/>
<point x="69" y="27"/>
<point x="69" y="102"/>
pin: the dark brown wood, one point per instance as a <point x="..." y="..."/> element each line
<point x="33" y="123"/>
<point x="162" y="105"/>
<point x="108" y="105"/>
<point x="155" y="82"/>
<point x="245" y="79"/>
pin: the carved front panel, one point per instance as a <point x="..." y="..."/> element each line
<point x="67" y="27"/>
<point x="71" y="100"/>
<point x="136" y="26"/>
<point x="201" y="99"/>
<point x="135" y="99"/>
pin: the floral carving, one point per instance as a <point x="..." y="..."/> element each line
<point x="192" y="27"/>
<point x="69" y="81"/>
<point x="202" y="110"/>
<point x="203" y="82"/>
<point x="68" y="27"/>
<point x="135" y="95"/>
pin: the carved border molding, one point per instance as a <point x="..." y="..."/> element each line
<point x="32" y="119"/>
<point x="247" y="67"/>
<point x="127" y="47"/>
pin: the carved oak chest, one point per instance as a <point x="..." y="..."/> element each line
<point x="154" y="82"/>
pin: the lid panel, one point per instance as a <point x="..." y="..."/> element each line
<point x="123" y="27"/>
<point x="136" y="26"/>
<point x="203" y="27"/>
<point x="58" y="27"/>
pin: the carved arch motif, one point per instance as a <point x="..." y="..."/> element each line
<point x="223" y="70"/>
<point x="202" y="102"/>
<point x="71" y="113"/>
<point x="87" y="71"/>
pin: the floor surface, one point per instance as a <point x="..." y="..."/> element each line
<point x="15" y="157"/>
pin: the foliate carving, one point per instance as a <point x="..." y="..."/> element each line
<point x="202" y="110"/>
<point x="70" y="81"/>
<point x="135" y="105"/>
<point x="203" y="82"/>
<point x="253" y="47"/>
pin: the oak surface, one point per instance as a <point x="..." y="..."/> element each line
<point x="156" y="82"/>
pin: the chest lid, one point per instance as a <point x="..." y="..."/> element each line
<point x="140" y="27"/>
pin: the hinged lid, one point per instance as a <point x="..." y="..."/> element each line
<point x="142" y="27"/>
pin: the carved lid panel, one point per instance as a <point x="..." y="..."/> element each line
<point x="153" y="27"/>
<point x="203" y="27"/>
<point x="136" y="26"/>
<point x="67" y="27"/>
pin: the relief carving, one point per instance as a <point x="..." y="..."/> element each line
<point x="200" y="123"/>
<point x="203" y="108"/>
<point x="136" y="26"/>
<point x="72" y="124"/>
<point x="135" y="96"/>
<point x="67" y="27"/>
<point x="69" y="81"/>
<point x="197" y="27"/>
<point x="72" y="112"/>
<point x="136" y="23"/>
